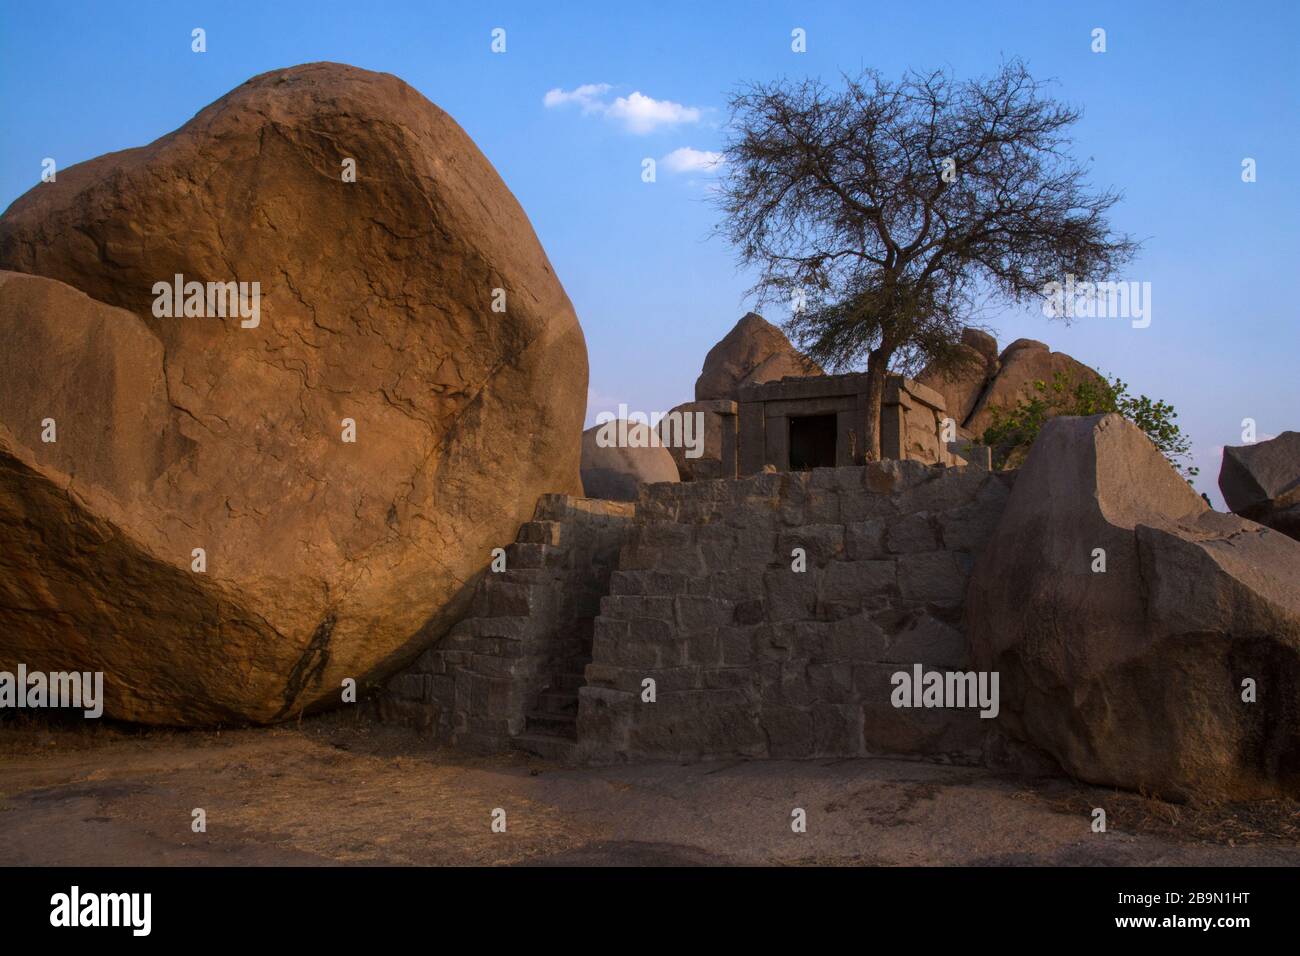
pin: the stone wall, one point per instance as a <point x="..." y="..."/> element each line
<point x="695" y="588"/>
<point x="751" y="658"/>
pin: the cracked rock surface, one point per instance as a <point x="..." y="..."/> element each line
<point x="1133" y="676"/>
<point x="325" y="559"/>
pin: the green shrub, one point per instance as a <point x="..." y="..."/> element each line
<point x="1014" y="430"/>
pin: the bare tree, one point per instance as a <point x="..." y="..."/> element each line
<point x="885" y="211"/>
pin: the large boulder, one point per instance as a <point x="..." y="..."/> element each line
<point x="1133" y="676"/>
<point x="977" y="379"/>
<point x="1022" y="363"/>
<point x="619" y="456"/>
<point x="409" y="306"/>
<point x="753" y="352"/>
<point x="1262" y="482"/>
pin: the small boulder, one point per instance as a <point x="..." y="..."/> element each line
<point x="1262" y="482"/>
<point x="1032" y="344"/>
<point x="978" y="379"/>
<point x="981" y="342"/>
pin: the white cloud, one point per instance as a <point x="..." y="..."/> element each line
<point x="638" y="113"/>
<point x="587" y="96"/>
<point x="684" y="159"/>
<point x="643" y="114"/>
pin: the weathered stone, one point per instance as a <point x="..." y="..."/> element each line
<point x="929" y="640"/>
<point x="820" y="543"/>
<point x="856" y="638"/>
<point x="911" y="533"/>
<point x="983" y="343"/>
<point x="790" y="732"/>
<point x="698" y="723"/>
<point x="956" y="732"/>
<point x="619" y="457"/>
<point x="1134" y="677"/>
<point x="837" y="729"/>
<point x="848" y="582"/>
<point x="737" y="644"/>
<point x="969" y="527"/>
<point x="711" y="428"/>
<point x="1023" y="363"/>
<point x="790" y="595"/>
<point x="933" y="577"/>
<point x="702" y="612"/>
<point x="1262" y="482"/>
<point x="863" y="540"/>
<point x="325" y="559"/>
<point x="754" y="351"/>
<point x="962" y="383"/>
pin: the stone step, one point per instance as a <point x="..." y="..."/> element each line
<point x="541" y="532"/>
<point x="559" y="725"/>
<point x="523" y="556"/>
<point x="568" y="683"/>
<point x="557" y="702"/>
<point x="547" y="746"/>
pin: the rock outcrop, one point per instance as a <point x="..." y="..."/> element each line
<point x="619" y="456"/>
<point x="962" y="383"/>
<point x="403" y="300"/>
<point x="1135" y="676"/>
<point x="980" y="380"/>
<point x="1022" y="363"/>
<point x="753" y="352"/>
<point x="1262" y="482"/>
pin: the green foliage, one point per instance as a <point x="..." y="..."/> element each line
<point x="1014" y="429"/>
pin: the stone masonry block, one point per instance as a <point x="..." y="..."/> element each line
<point x="696" y="612"/>
<point x="911" y="533"/>
<point x="848" y="582"/>
<point x="541" y="532"/>
<point x="633" y="605"/>
<point x="791" y="595"/>
<point x="820" y="542"/>
<point x="932" y="577"/>
<point x="864" y="540"/>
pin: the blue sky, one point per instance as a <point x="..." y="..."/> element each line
<point x="1182" y="94"/>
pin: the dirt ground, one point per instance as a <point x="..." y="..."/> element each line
<point x="334" y="791"/>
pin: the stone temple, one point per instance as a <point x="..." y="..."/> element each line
<point x="818" y="422"/>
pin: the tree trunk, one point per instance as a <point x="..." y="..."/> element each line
<point x="877" y="371"/>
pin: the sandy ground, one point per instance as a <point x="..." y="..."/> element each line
<point x="337" y="792"/>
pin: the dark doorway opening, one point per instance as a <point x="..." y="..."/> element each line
<point x="812" y="442"/>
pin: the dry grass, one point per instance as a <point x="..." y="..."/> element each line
<point x="1273" y="822"/>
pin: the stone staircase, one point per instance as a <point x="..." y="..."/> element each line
<point x="694" y="590"/>
<point x="551" y="726"/>
<point x="508" y="674"/>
